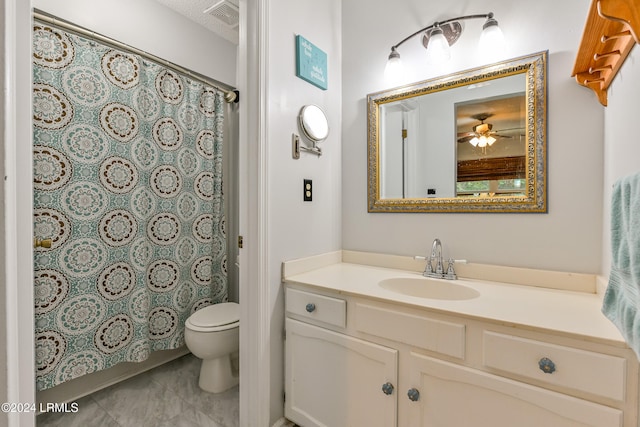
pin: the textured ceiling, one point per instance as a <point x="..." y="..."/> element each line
<point x="193" y="9"/>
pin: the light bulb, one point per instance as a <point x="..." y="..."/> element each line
<point x="490" y="140"/>
<point x="438" y="50"/>
<point x="394" y="70"/>
<point x="491" y="42"/>
<point x="474" y="141"/>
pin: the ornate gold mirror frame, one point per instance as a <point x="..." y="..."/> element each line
<point x="533" y="195"/>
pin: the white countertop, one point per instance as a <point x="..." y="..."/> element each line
<point x="567" y="312"/>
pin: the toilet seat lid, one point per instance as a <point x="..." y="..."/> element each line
<point x="220" y="314"/>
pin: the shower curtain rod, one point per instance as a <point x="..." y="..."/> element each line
<point x="231" y="94"/>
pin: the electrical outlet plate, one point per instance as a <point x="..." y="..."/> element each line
<point x="308" y="190"/>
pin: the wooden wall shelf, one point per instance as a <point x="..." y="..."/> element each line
<point x="611" y="31"/>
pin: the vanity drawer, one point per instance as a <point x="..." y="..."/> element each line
<point x="320" y="308"/>
<point x="416" y="330"/>
<point x="595" y="373"/>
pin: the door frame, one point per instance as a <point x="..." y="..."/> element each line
<point x="18" y="207"/>
<point x="255" y="316"/>
<point x="255" y="379"/>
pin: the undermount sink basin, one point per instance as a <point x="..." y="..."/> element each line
<point x="429" y="288"/>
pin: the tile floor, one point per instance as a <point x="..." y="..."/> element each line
<point x="166" y="396"/>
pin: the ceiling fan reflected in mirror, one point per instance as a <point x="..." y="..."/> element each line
<point x="482" y="134"/>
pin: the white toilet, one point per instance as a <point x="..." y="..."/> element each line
<point x="211" y="334"/>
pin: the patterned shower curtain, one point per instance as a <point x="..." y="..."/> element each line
<point x="127" y="161"/>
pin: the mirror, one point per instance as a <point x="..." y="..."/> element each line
<point x="473" y="141"/>
<point x="314" y="123"/>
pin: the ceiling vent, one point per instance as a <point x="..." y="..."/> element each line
<point x="225" y="12"/>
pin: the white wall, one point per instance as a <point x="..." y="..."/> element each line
<point x="568" y="237"/>
<point x="154" y="28"/>
<point x="296" y="228"/>
<point x="621" y="140"/>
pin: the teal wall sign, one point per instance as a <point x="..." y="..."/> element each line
<point x="311" y="63"/>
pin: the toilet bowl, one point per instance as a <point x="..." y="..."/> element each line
<point x="211" y="334"/>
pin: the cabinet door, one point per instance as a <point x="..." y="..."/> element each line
<point x="453" y="395"/>
<point x="334" y="380"/>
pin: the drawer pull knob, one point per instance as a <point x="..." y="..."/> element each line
<point x="414" y="395"/>
<point x="387" y="388"/>
<point x="311" y="307"/>
<point x="547" y="366"/>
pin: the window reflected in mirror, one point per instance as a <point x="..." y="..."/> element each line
<point x="491" y="146"/>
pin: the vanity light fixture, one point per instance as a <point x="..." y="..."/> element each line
<point x="438" y="37"/>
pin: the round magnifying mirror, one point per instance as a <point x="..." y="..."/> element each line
<point x="314" y="123"/>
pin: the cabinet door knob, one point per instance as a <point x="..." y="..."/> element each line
<point x="413" y="394"/>
<point x="387" y="388"/>
<point x="546" y="365"/>
<point x="311" y="307"/>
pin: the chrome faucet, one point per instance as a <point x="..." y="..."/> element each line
<point x="439" y="272"/>
<point x="436" y="247"/>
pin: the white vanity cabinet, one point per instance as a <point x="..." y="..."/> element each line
<point x="443" y="370"/>
<point x="337" y="380"/>
<point x="454" y="395"/>
<point x="333" y="379"/>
